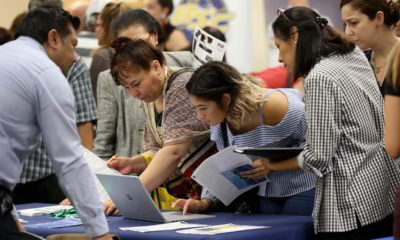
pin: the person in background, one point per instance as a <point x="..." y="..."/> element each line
<point x="172" y="39"/>
<point x="36" y="100"/>
<point x="252" y="116"/>
<point x="5" y="36"/>
<point x="78" y="9"/>
<point x="356" y="179"/>
<point x="172" y="131"/>
<point x="102" y="57"/>
<point x="370" y="23"/>
<point x="16" y="23"/>
<point x="392" y="122"/>
<point x="38" y="183"/>
<point x="120" y="117"/>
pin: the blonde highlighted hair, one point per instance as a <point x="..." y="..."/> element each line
<point x="212" y="80"/>
<point x="393" y="72"/>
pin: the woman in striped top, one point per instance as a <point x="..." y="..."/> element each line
<point x="252" y="116"/>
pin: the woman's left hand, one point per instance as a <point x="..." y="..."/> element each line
<point x="288" y="164"/>
<point x="260" y="170"/>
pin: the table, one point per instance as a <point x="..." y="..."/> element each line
<point x="282" y="227"/>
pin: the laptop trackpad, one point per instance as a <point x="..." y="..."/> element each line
<point x="171" y="216"/>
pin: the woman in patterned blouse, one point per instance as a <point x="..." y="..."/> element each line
<point x="172" y="130"/>
<point x="356" y="179"/>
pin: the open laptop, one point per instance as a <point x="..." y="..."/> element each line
<point x="133" y="200"/>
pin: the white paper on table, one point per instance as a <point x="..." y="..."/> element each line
<point x="218" y="229"/>
<point x="206" y="48"/>
<point x="98" y="165"/>
<point x="162" y="227"/>
<point x="208" y="174"/>
<point x="42" y="210"/>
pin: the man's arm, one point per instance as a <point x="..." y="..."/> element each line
<point x="79" y="81"/>
<point x="86" y="134"/>
<point x="57" y="121"/>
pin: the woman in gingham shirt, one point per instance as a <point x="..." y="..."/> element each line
<point x="356" y="179"/>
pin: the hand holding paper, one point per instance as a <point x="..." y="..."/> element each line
<point x="220" y="174"/>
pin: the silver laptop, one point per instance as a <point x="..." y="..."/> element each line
<point x="133" y="200"/>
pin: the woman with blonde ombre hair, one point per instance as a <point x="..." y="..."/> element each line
<point x="392" y="120"/>
<point x="244" y="114"/>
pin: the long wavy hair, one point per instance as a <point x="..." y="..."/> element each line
<point x="393" y="72"/>
<point x="213" y="79"/>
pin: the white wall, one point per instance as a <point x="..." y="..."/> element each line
<point x="246" y="35"/>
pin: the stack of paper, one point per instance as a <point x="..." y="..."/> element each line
<point x="218" y="229"/>
<point x="66" y="222"/>
<point x="42" y="210"/>
<point x="162" y="227"/>
<point x="98" y="165"/>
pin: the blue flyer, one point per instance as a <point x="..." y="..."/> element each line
<point x="66" y="222"/>
<point x="238" y="180"/>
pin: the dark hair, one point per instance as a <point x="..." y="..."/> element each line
<point x="133" y="55"/>
<point x="5" y="35"/>
<point x="16" y="24"/>
<point x="390" y="9"/>
<point x="316" y="38"/>
<point x="168" y="4"/>
<point x="136" y="17"/>
<point x="107" y="16"/>
<point x="215" y="33"/>
<point x="213" y="79"/>
<point x="40" y="21"/>
<point x="33" y="4"/>
<point x="393" y="72"/>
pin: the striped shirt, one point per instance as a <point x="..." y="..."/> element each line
<point x="289" y="132"/>
<point x="344" y="148"/>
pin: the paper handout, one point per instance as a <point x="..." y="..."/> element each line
<point x="163" y="227"/>
<point x="206" y="48"/>
<point x="66" y="222"/>
<point x="220" y="174"/>
<point x="42" y="210"/>
<point x="218" y="229"/>
<point x="98" y="165"/>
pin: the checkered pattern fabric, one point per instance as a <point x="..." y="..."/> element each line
<point x="344" y="144"/>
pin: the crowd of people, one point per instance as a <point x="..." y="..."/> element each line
<point x="142" y="107"/>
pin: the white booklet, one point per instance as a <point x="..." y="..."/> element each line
<point x="220" y="174"/>
<point x="42" y="210"/>
<point x="163" y="227"/>
<point x="206" y="48"/>
<point x="218" y="229"/>
<point x="98" y="165"/>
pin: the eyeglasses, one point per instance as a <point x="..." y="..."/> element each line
<point x="281" y="12"/>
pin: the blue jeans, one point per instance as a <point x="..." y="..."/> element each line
<point x="299" y="204"/>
